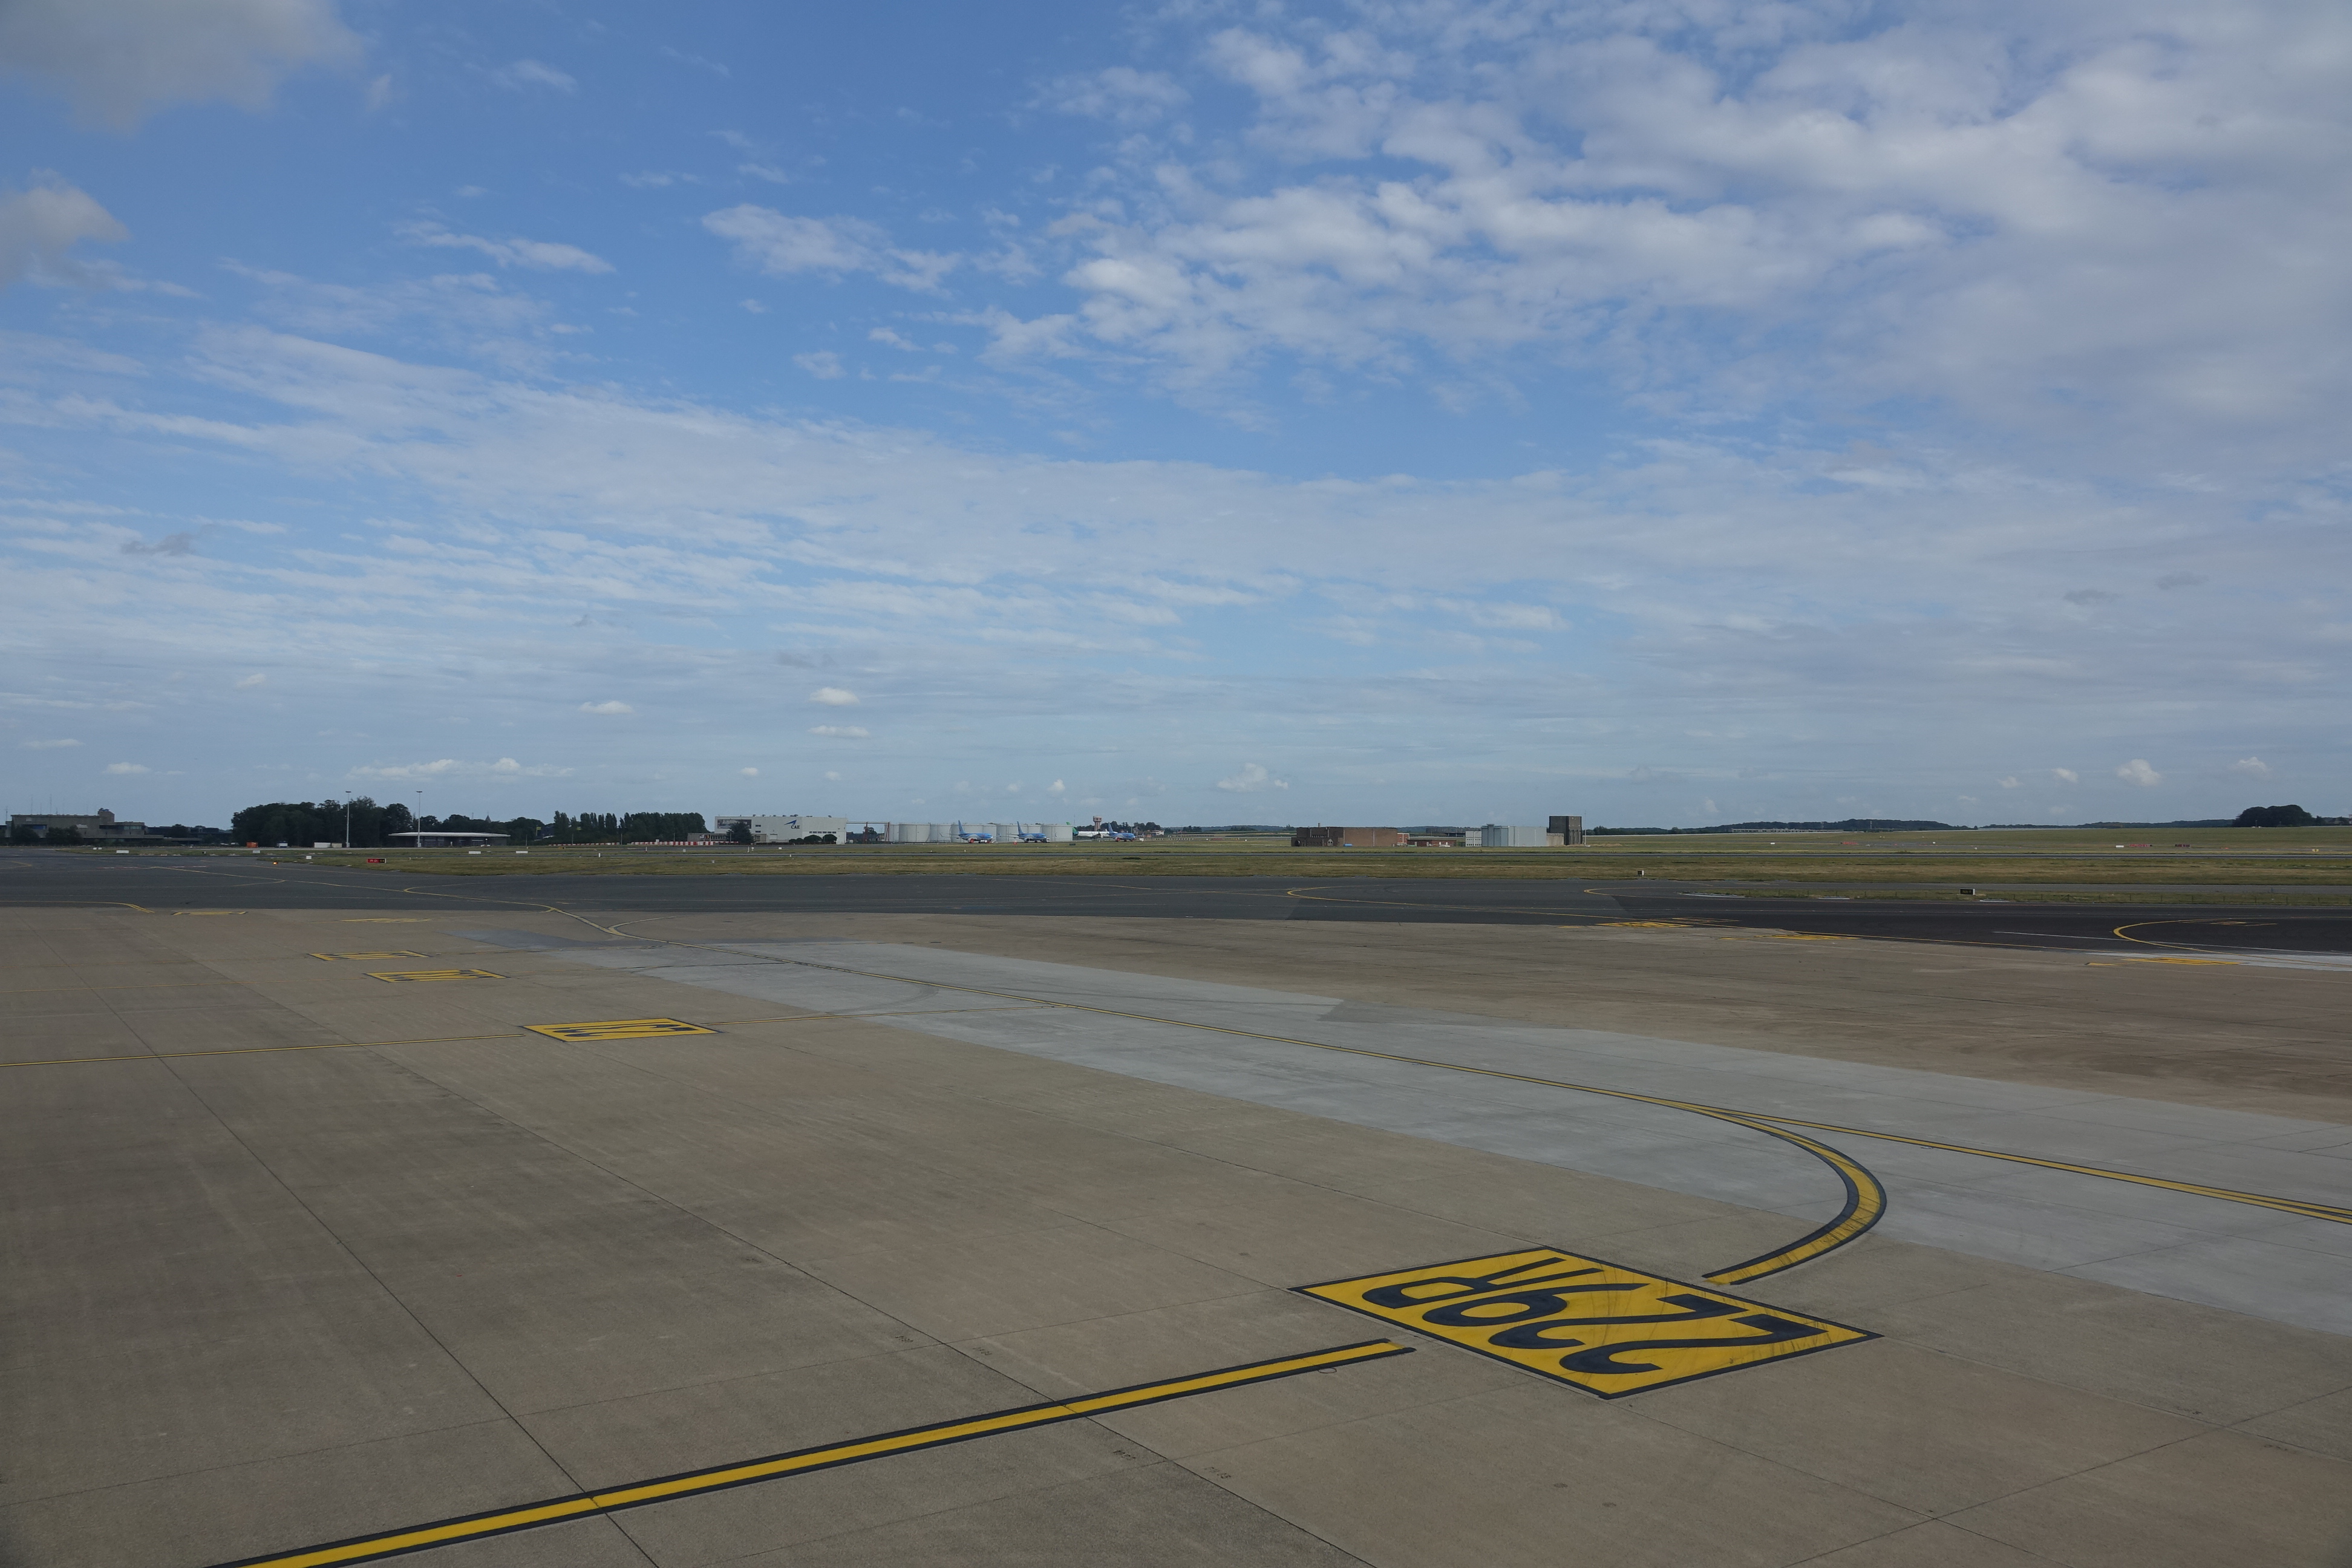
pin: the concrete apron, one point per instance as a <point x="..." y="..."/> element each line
<point x="2213" y="1251"/>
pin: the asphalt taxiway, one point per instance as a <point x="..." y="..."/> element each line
<point x="49" y="879"/>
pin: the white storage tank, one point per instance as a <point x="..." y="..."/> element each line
<point x="910" y="833"/>
<point x="1006" y="832"/>
<point x="1057" y="832"/>
<point x="1493" y="838"/>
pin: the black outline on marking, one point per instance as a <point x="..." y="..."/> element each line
<point x="397" y="976"/>
<point x="1308" y="1292"/>
<point x="1853" y="1202"/>
<point x="681" y="1028"/>
<point x="1050" y="1404"/>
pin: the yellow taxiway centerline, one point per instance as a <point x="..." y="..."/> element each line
<point x="718" y="1478"/>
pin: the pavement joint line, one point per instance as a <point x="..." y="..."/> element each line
<point x="803" y="1461"/>
<point x="255" y="1050"/>
<point x="159" y="986"/>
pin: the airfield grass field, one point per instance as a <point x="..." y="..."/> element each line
<point x="2261" y="865"/>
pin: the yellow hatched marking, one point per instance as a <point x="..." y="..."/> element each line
<point x="397" y="952"/>
<point x="367" y="1549"/>
<point x="618" y="1029"/>
<point x="1605" y="1329"/>
<point x="400" y="974"/>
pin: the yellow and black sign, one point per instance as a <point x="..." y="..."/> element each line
<point x="433" y="974"/>
<point x="1608" y="1330"/>
<point x="618" y="1029"/>
<point x="331" y="957"/>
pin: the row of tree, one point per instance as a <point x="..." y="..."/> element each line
<point x="364" y="824"/>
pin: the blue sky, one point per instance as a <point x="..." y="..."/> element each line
<point x="1392" y="413"/>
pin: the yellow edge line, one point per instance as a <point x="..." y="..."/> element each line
<point x="851" y="1452"/>
<point x="2291" y="1206"/>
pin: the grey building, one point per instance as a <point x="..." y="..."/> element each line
<point x="101" y="826"/>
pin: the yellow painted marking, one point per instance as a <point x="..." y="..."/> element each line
<point x="2222" y="962"/>
<point x="1608" y="1330"/>
<point x="618" y="1029"/>
<point x="396" y="953"/>
<point x="208" y="912"/>
<point x="553" y="1511"/>
<point x="398" y="974"/>
<point x="2308" y="1210"/>
<point x="1641" y="925"/>
<point x="387" y="920"/>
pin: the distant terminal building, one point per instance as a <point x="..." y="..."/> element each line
<point x="785" y="829"/>
<point x="1347" y="838"/>
<point x="103" y="825"/>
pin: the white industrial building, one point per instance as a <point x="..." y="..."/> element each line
<point x="1493" y="838"/>
<point x="961" y="832"/>
<point x="784" y="829"/>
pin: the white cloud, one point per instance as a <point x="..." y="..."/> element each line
<point x="885" y="335"/>
<point x="781" y="246"/>
<point x="834" y="697"/>
<point x="248" y="683"/>
<point x="839" y="731"/>
<point x="505" y="768"/>
<point x="121" y="61"/>
<point x="613" y="707"/>
<point x="534" y="73"/>
<point x="825" y="364"/>
<point x="2010" y="783"/>
<point x="2137" y="771"/>
<point x="833" y="777"/>
<point x="2068" y="219"/>
<point x="126" y="767"/>
<point x="1056" y="787"/>
<point x="749" y="773"/>
<point x="540" y="255"/>
<point x="38" y="227"/>
<point x="2252" y="767"/>
<point x="47" y="745"/>
<point x="2066" y="775"/>
<point x="1251" y="778"/>
<point x="1120" y="94"/>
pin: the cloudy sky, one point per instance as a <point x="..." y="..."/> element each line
<point x="1396" y="411"/>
